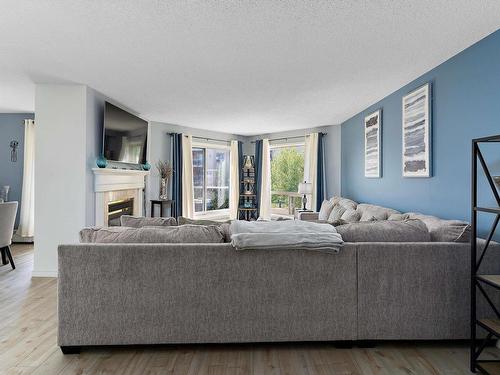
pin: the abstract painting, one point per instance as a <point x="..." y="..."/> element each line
<point x="373" y="125"/>
<point x="417" y="133"/>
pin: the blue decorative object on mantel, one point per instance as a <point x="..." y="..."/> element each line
<point x="146" y="166"/>
<point x="101" y="162"/>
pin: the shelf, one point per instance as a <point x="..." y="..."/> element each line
<point x="493" y="210"/>
<point x="491" y="325"/>
<point x="493" y="138"/>
<point x="489" y="367"/>
<point x="247" y="195"/>
<point x="247" y="209"/>
<point x="493" y="280"/>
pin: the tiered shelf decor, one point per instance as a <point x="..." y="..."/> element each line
<point x="490" y="325"/>
<point x="247" y="208"/>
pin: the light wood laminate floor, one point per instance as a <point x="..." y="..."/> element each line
<point x="28" y="326"/>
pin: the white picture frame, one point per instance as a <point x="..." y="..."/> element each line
<point x="417" y="133"/>
<point x="372" y="126"/>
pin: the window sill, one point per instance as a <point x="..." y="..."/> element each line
<point x="218" y="215"/>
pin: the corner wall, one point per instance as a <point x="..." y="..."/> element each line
<point x="332" y="143"/>
<point x="466" y="105"/>
<point x="67" y="123"/>
<point x="159" y="149"/>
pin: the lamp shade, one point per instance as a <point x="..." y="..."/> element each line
<point x="305" y="188"/>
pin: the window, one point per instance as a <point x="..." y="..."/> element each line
<point x="287" y="171"/>
<point x="211" y="175"/>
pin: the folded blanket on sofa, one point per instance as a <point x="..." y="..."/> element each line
<point x="290" y="234"/>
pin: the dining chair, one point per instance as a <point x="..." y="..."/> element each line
<point x="8" y="211"/>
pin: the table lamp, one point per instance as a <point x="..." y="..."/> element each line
<point x="305" y="188"/>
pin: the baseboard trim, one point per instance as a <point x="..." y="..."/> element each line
<point x="44" y="274"/>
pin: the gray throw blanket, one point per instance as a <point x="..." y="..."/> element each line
<point x="288" y="234"/>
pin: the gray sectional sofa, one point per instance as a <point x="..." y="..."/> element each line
<point x="161" y="293"/>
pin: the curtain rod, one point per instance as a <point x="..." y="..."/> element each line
<point x="287" y="138"/>
<point x="226" y="141"/>
<point x="206" y="138"/>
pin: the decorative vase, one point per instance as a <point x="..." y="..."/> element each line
<point x="101" y="162"/>
<point x="146" y="166"/>
<point x="248" y="164"/>
<point x="163" y="188"/>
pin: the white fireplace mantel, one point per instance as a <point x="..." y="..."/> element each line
<point x="109" y="182"/>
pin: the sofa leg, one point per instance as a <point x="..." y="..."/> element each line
<point x="343" y="344"/>
<point x="71" y="349"/>
<point x="366" y="344"/>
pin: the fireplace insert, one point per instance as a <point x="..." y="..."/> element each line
<point x="119" y="208"/>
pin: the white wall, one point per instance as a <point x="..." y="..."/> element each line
<point x="94" y="127"/>
<point x="65" y="143"/>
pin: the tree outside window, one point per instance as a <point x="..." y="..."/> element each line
<point x="287" y="171"/>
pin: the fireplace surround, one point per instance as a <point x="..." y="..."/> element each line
<point x="117" y="189"/>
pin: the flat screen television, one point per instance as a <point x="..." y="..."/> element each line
<point x="124" y="136"/>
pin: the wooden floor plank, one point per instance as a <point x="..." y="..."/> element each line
<point x="28" y="345"/>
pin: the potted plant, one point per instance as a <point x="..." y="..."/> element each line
<point x="165" y="170"/>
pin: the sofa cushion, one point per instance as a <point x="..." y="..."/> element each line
<point x="444" y="230"/>
<point x="325" y="209"/>
<point x="223" y="225"/>
<point x="371" y="212"/>
<point x="385" y="231"/>
<point x="140" y="221"/>
<point x="184" y="220"/>
<point x="351" y="216"/>
<point x="165" y="234"/>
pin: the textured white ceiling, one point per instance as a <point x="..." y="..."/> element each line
<point x="246" y="67"/>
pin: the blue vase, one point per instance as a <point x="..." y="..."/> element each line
<point x="146" y="166"/>
<point x="101" y="162"/>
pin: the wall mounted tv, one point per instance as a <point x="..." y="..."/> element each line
<point x="124" y="136"/>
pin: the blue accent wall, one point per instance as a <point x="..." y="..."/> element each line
<point x="11" y="173"/>
<point x="466" y="105"/>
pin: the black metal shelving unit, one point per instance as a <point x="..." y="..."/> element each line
<point x="247" y="207"/>
<point x="490" y="325"/>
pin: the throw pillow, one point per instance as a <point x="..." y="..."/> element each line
<point x="325" y="210"/>
<point x="336" y="213"/>
<point x="351" y="216"/>
<point x="348" y="204"/>
<point x="140" y="221"/>
<point x="384" y="231"/>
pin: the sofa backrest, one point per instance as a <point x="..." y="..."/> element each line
<point x="440" y="230"/>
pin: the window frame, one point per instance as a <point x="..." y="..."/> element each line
<point x="221" y="213"/>
<point x="285" y="145"/>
